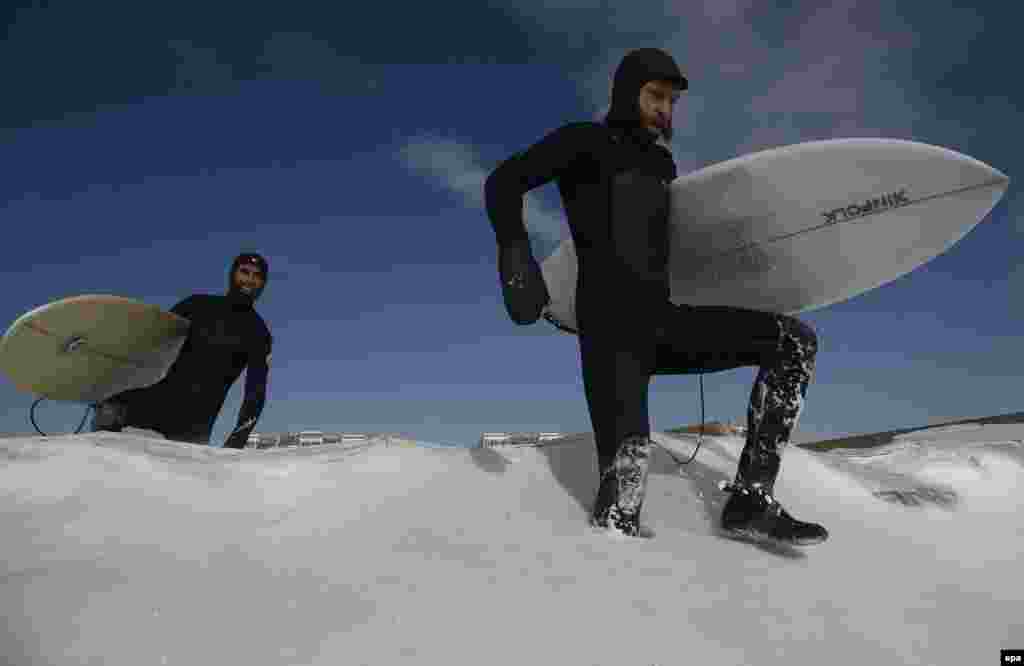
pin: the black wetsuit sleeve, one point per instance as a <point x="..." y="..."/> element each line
<point x="256" y="376"/>
<point x="541" y="163"/>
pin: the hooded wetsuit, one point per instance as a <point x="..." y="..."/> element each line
<point x="226" y="335"/>
<point x="613" y="178"/>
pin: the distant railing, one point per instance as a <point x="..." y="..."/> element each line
<point x="317" y="438"/>
<point x="489" y="439"/>
<point x="307" y="438"/>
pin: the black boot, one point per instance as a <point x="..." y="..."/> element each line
<point x="752" y="513"/>
<point x="109" y="416"/>
<point x="623" y="486"/>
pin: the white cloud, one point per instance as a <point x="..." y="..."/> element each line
<point x="457" y="167"/>
<point x="449" y="163"/>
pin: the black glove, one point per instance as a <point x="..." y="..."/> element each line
<point x="522" y="283"/>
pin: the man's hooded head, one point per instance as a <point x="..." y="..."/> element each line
<point x="638" y="68"/>
<point x="254" y="263"/>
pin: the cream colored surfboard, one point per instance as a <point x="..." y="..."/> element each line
<point x="88" y="348"/>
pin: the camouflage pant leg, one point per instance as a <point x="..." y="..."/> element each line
<point x="776" y="400"/>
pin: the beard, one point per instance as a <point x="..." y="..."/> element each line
<point x="241" y="296"/>
<point x="665" y="131"/>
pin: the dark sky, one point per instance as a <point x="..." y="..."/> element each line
<point x="72" y="57"/>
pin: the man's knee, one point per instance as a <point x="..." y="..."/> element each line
<point x="801" y="334"/>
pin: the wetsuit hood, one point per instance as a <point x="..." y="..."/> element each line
<point x="237" y="295"/>
<point x="638" y="68"/>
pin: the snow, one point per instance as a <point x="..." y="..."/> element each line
<point x="128" y="549"/>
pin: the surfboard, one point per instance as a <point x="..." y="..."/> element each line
<point x="88" y="348"/>
<point x="804" y="226"/>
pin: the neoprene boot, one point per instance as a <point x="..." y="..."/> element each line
<point x="620" y="496"/>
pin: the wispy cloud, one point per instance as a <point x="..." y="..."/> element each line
<point x="457" y="167"/>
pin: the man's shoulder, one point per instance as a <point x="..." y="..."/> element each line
<point x="192" y="304"/>
<point x="584" y="127"/>
<point x="203" y="298"/>
<point x="583" y="138"/>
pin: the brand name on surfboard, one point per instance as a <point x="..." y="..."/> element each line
<point x="891" y="200"/>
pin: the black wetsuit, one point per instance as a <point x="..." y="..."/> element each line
<point x="226" y="336"/>
<point x="612" y="178"/>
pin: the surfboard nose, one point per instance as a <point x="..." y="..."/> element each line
<point x="1000" y="176"/>
<point x="977" y="173"/>
<point x="992" y="181"/>
<point x="978" y="181"/>
<point x="993" y="175"/>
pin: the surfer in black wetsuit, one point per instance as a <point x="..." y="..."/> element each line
<point x="226" y="335"/>
<point x="612" y="178"/>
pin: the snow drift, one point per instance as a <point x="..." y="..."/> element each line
<point x="121" y="549"/>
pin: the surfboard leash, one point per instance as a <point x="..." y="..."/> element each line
<point x="700" y="435"/>
<point x="32" y="417"/>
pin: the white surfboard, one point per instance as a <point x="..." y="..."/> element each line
<point x="804" y="226"/>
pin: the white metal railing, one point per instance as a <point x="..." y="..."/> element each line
<point x="488" y="439"/>
<point x="306" y="438"/>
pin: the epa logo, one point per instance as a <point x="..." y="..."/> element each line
<point x="1013" y="657"/>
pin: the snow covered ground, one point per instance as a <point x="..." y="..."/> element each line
<point x="122" y="549"/>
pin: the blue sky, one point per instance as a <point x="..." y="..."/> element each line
<point x="141" y="149"/>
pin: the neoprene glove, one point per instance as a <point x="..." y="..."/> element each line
<point x="522" y="283"/>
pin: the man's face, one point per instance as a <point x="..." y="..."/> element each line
<point x="657" y="101"/>
<point x="249" y="279"/>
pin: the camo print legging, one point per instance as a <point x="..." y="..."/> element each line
<point x="618" y="362"/>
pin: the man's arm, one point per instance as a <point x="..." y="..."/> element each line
<point x="256" y="375"/>
<point x="538" y="165"/>
<point x="522" y="283"/>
